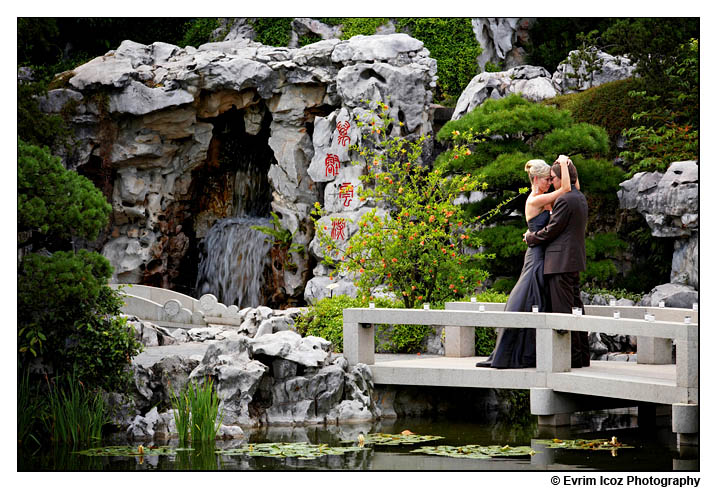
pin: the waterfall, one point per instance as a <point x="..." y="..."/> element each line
<point x="233" y="261"/>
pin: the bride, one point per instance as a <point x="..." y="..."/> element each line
<point x="516" y="347"/>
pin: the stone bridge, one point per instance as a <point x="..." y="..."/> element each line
<point x="653" y="383"/>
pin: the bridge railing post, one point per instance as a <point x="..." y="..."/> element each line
<point x="553" y="348"/>
<point x="358" y="342"/>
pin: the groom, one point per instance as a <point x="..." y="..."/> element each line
<point x="565" y="257"/>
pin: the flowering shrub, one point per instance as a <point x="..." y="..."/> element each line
<point x="416" y="242"/>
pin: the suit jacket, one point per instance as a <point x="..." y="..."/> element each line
<point x="564" y="235"/>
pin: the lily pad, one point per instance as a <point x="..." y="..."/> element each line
<point x="475" y="451"/>
<point x="584" y="444"/>
<point x="300" y="450"/>
<point x="396" y="439"/>
<point x="131" y="451"/>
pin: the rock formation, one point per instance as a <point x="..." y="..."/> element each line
<point x="669" y="203"/>
<point x="168" y="130"/>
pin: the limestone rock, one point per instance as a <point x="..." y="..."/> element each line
<point x="308" y="351"/>
<point x="612" y="68"/>
<point x="532" y="82"/>
<point x="381" y="47"/>
<point x="684" y="267"/>
<point x="674" y="295"/>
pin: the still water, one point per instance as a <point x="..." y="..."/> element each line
<point x="654" y="449"/>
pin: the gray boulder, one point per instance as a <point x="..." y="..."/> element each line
<point x="668" y="201"/>
<point x="532" y="82"/>
<point x="611" y="68"/>
<point x="306" y="351"/>
<point x="674" y="295"/>
<point x="237" y="378"/>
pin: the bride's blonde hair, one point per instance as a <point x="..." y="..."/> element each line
<point x="537" y="168"/>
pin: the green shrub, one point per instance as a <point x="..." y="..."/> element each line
<point x="600" y="269"/>
<point x="199" y="31"/>
<point x="273" y="31"/>
<point x="609" y="106"/>
<point x="35" y="126"/>
<point x="452" y="42"/>
<point x="506" y="284"/>
<point x="505" y="244"/>
<point x="68" y="315"/>
<point x="324" y="319"/>
<point x="54" y="201"/>
<point x="355" y="26"/>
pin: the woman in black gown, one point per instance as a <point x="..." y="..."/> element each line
<point x="516" y="347"/>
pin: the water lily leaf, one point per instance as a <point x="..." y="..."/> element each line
<point x="584" y="444"/>
<point x="405" y="437"/>
<point x="475" y="451"/>
<point x="299" y="450"/>
<point x="129" y="451"/>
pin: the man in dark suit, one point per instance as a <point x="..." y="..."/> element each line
<point x="564" y="237"/>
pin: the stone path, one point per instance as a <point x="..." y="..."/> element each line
<point x="151" y="355"/>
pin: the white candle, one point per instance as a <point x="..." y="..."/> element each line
<point x="371" y="305"/>
<point x="577" y="311"/>
<point x="426" y="306"/>
<point x="482" y="308"/>
<point x="687" y="319"/>
<point x="612" y="302"/>
<point x="473" y="299"/>
<point x="534" y="308"/>
<point x="649" y="317"/>
<point x="616" y="315"/>
<point x="661" y="304"/>
<point x="695" y="306"/>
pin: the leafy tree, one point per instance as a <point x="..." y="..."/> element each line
<point x="417" y="243"/>
<point x="67" y="314"/>
<point x="669" y="127"/>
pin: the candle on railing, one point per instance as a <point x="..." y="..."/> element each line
<point x="371" y="305"/>
<point x="426" y="306"/>
<point x="687" y="319"/>
<point x="577" y="311"/>
<point x="649" y="317"/>
<point x="695" y="306"/>
<point x="616" y="315"/>
<point x="534" y="308"/>
<point x="612" y="302"/>
<point x="473" y="299"/>
<point x="661" y="304"/>
<point x="482" y="308"/>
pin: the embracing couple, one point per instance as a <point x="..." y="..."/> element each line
<point x="555" y="257"/>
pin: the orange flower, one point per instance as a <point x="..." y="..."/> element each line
<point x="361" y="271"/>
<point x="393" y="260"/>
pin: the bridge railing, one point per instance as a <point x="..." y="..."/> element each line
<point x="553" y="344"/>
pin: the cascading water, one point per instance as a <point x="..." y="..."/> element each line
<point x="233" y="265"/>
<point x="233" y="256"/>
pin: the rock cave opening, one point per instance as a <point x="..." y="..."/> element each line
<point x="230" y="194"/>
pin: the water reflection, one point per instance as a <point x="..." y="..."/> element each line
<point x="655" y="449"/>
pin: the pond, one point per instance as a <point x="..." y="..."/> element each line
<point x="653" y="449"/>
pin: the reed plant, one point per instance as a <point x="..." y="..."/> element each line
<point x="181" y="407"/>
<point x="196" y="412"/>
<point x="204" y="404"/>
<point x="29" y="408"/>
<point x="75" y="414"/>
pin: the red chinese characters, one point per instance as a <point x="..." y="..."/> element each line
<point x="346" y="192"/>
<point x="331" y="164"/>
<point x="338" y="225"/>
<point x="343" y="128"/>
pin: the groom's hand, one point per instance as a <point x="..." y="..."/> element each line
<point x="526" y="233"/>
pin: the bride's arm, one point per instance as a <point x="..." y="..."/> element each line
<point x="544" y="199"/>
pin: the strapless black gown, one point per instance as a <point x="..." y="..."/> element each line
<point x="516" y="347"/>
